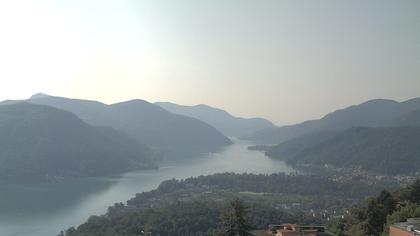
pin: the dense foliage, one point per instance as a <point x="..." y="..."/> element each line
<point x="192" y="218"/>
<point x="375" y="215"/>
<point x="308" y="185"/>
<point x="44" y="142"/>
<point x="234" y="221"/>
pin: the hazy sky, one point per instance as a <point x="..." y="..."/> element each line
<point x="284" y="60"/>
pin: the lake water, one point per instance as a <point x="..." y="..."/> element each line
<point x="44" y="209"/>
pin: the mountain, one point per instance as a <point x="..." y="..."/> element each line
<point x="373" y="113"/>
<point x="147" y="123"/>
<point x="409" y="119"/>
<point x="38" y="141"/>
<point x="390" y="150"/>
<point x="9" y="102"/>
<point x="287" y="150"/>
<point x="220" y="119"/>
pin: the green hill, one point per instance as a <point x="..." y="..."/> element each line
<point x="373" y="113"/>
<point x="410" y="119"/>
<point x="194" y="206"/>
<point x="290" y="148"/>
<point x="394" y="150"/>
<point x="39" y="141"/>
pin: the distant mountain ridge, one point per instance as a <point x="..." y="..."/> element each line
<point x="9" y="102"/>
<point x="379" y="135"/>
<point x="38" y="141"/>
<point x="226" y="123"/>
<point x="373" y="113"/>
<point x="149" y="124"/>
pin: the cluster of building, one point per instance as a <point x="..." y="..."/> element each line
<point x="411" y="227"/>
<point x="293" y="230"/>
<point x="345" y="175"/>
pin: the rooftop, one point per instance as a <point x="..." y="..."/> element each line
<point x="411" y="225"/>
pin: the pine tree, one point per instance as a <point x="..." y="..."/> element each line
<point x="234" y="219"/>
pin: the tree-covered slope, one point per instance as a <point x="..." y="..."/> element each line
<point x="409" y="119"/>
<point x="373" y="113"/>
<point x="394" y="150"/>
<point x="154" y="126"/>
<point x="377" y="213"/>
<point x="194" y="206"/>
<point x="290" y="148"/>
<point x="39" y="141"/>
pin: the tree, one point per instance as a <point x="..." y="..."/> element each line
<point x="234" y="219"/>
<point x="414" y="192"/>
<point x="410" y="210"/>
<point x="338" y="226"/>
<point x="388" y="202"/>
<point x="375" y="217"/>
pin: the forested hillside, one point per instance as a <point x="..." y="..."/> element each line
<point x="373" y="113"/>
<point x="394" y="150"/>
<point x="147" y="123"/>
<point x="43" y="142"/>
<point x="226" y="123"/>
<point x="374" y="216"/>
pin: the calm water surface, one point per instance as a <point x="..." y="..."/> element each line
<point x="43" y="209"/>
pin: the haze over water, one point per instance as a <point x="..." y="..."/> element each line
<point x="44" y="209"/>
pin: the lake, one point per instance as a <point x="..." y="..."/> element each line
<point x="44" y="209"/>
